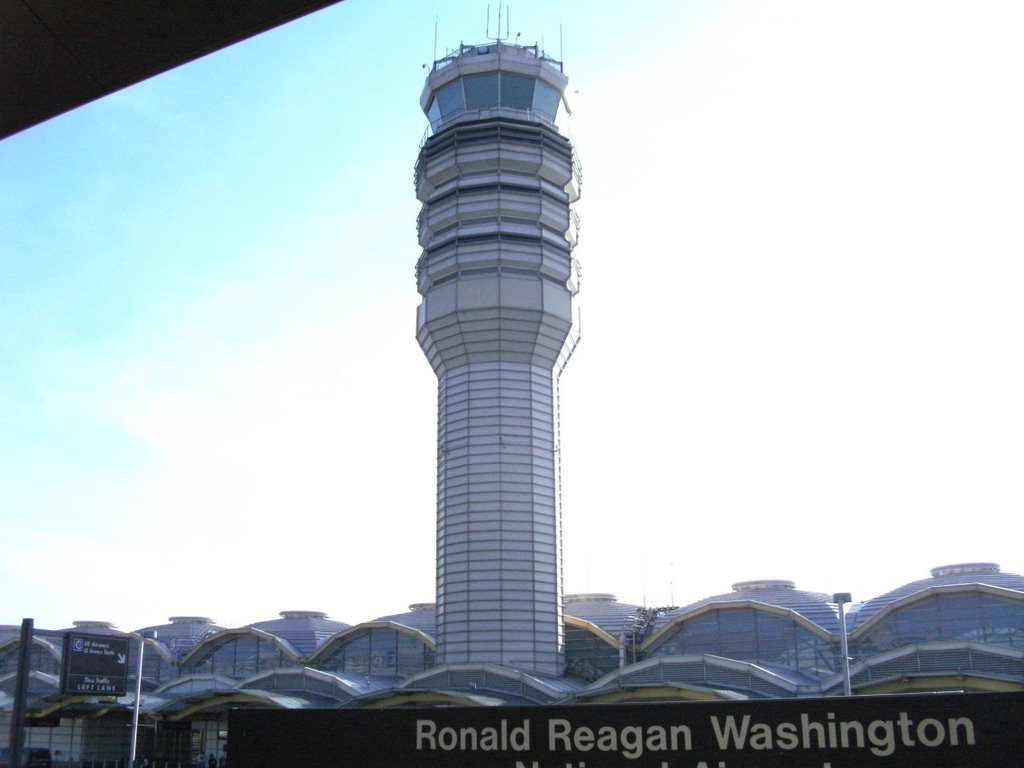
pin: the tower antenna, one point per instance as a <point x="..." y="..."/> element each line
<point x="435" y="38"/>
<point x="499" y="38"/>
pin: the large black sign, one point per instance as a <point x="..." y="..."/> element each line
<point x="936" y="730"/>
<point x="95" y="664"/>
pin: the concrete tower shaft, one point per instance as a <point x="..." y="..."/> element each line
<point x="497" y="277"/>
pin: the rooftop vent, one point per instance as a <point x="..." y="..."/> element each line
<point x="750" y="586"/>
<point x="303" y="615"/>
<point x="90" y="624"/>
<point x="417" y="607"/>
<point x="950" y="570"/>
<point x="190" y="620"/>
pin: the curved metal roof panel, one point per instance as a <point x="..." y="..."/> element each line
<point x="182" y="633"/>
<point x="945" y="575"/>
<point x="707" y="670"/>
<point x="511" y="685"/>
<point x="231" y="635"/>
<point x="816" y="607"/>
<point x="601" y="610"/>
<point x="421" y="616"/>
<point x="305" y="630"/>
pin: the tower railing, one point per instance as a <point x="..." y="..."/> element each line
<point x="574" y="217"/>
<point x="577" y="169"/>
<point x="497" y="47"/>
<point x="572" y="340"/>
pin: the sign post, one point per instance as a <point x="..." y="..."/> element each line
<point x="17" y="740"/>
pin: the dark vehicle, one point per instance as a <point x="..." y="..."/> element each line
<point x="31" y="757"/>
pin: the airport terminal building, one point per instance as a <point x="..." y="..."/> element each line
<point x="960" y="629"/>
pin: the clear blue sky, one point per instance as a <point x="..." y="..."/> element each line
<point x="803" y="264"/>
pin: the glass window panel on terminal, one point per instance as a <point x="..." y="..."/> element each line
<point x="516" y="91"/>
<point x="481" y="90"/>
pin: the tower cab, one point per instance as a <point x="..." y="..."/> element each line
<point x="481" y="81"/>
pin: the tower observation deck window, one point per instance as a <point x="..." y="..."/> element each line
<point x="481" y="90"/>
<point x="546" y="100"/>
<point x="517" y="91"/>
<point x="450" y="99"/>
<point x="490" y="90"/>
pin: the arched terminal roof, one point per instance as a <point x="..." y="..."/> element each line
<point x="815" y="607"/>
<point x="601" y="610"/>
<point x="191" y="684"/>
<point x="686" y="674"/>
<point x="304" y="630"/>
<point x="224" y="637"/>
<point x="420" y="616"/>
<point x="501" y="684"/>
<point x="325" y="689"/>
<point x="933" y="667"/>
<point x="941" y="576"/>
<point x="9" y="647"/>
<point x="346" y="635"/>
<point x="182" y="633"/>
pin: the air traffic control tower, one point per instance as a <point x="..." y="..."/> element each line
<point x="497" y="275"/>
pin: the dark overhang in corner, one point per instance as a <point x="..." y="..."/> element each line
<point x="56" y="55"/>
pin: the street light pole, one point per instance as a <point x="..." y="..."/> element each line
<point x="841" y="598"/>
<point x="138" y="698"/>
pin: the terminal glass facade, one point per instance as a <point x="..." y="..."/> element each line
<point x="749" y="634"/>
<point x="588" y="656"/>
<point x="968" y="615"/>
<point x="378" y="652"/>
<point x="40" y="660"/>
<point x="241" y="656"/>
